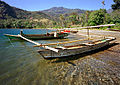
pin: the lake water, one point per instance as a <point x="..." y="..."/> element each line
<point x="20" y="64"/>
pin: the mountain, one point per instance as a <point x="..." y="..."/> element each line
<point x="109" y="10"/>
<point x="23" y="14"/>
<point x="56" y="11"/>
<point x="8" y="12"/>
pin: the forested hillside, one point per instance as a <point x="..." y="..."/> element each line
<point x="12" y="17"/>
<point x="8" y="12"/>
<point x="57" y="17"/>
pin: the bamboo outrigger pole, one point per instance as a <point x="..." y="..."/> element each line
<point x="46" y="47"/>
<point x="97" y="26"/>
<point x="88" y="28"/>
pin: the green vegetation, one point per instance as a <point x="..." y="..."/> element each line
<point x="11" y="17"/>
<point x="116" y="14"/>
<point x="97" y="17"/>
<point x="116" y="5"/>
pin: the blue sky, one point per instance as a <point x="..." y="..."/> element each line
<point x="36" y="5"/>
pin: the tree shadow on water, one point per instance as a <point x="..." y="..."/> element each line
<point x="78" y="56"/>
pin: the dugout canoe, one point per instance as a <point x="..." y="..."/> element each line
<point x="52" y="35"/>
<point x="66" y="51"/>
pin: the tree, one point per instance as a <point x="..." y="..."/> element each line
<point x="103" y="2"/>
<point x="62" y="19"/>
<point x="116" y="5"/>
<point x="115" y="15"/>
<point x="74" y="18"/>
<point x="108" y="18"/>
<point x="97" y="17"/>
<point x="87" y="13"/>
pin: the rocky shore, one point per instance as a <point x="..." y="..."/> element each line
<point x="100" y="67"/>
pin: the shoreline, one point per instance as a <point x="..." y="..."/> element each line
<point x="97" y="67"/>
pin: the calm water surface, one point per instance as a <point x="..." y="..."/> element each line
<point x="20" y="64"/>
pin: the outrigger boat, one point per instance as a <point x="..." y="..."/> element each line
<point x="52" y="35"/>
<point x="64" y="51"/>
<point x="51" y="51"/>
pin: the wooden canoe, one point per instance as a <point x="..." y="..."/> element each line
<point x="52" y="35"/>
<point x="65" y="51"/>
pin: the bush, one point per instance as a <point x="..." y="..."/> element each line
<point x="97" y="17"/>
<point x="117" y="26"/>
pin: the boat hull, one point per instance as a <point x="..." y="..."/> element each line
<point x="38" y="37"/>
<point x="47" y="54"/>
<point x="45" y="36"/>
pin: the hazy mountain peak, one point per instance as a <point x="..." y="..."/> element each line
<point x="109" y="10"/>
<point x="56" y="11"/>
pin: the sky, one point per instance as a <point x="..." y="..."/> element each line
<point x="38" y="5"/>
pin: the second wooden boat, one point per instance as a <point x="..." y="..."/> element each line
<point x="52" y="35"/>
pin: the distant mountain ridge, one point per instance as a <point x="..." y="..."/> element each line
<point x="54" y="11"/>
<point x="8" y="12"/>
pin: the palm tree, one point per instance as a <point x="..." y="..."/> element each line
<point x="74" y="18"/>
<point x="103" y="2"/>
<point x="87" y="15"/>
<point x="62" y="19"/>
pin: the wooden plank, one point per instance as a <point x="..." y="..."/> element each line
<point x="46" y="47"/>
<point x="60" y="43"/>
